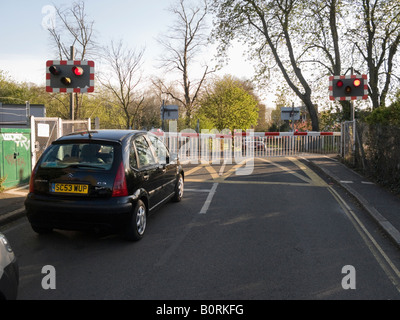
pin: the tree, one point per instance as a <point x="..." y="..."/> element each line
<point x="75" y="30"/>
<point x="368" y="37"/>
<point x="310" y="40"/>
<point x="122" y="80"/>
<point x="249" y="87"/>
<point x="389" y="116"/>
<point x="13" y="92"/>
<point x="277" y="124"/>
<point x="182" y="44"/>
<point x="321" y="36"/>
<point x="267" y="25"/>
<point x="376" y="40"/>
<point x="150" y="114"/>
<point x="262" y="125"/>
<point x="227" y="105"/>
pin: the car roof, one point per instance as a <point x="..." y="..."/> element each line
<point x="105" y="135"/>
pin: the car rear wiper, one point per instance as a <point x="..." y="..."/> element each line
<point x="85" y="166"/>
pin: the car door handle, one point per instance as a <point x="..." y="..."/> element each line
<point x="146" y="177"/>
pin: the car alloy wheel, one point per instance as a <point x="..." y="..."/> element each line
<point x="179" y="189"/>
<point x="137" y="226"/>
<point x="141" y="220"/>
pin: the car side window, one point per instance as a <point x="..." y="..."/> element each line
<point x="145" y="156"/>
<point x="161" y="151"/>
<point x="132" y="156"/>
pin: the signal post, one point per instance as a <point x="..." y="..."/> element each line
<point x="349" y="88"/>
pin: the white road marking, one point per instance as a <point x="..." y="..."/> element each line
<point x="198" y="190"/>
<point x="381" y="257"/>
<point x="209" y="199"/>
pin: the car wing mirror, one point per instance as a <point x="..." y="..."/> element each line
<point x="173" y="157"/>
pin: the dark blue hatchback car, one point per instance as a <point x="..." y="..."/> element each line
<point x="102" y="180"/>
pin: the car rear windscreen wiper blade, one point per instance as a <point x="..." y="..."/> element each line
<point x="85" y="166"/>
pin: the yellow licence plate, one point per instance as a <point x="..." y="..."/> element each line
<point x="70" y="188"/>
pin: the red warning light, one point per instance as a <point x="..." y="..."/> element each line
<point x="54" y="70"/>
<point x="78" y="71"/>
<point x="357" y="82"/>
<point x="339" y="83"/>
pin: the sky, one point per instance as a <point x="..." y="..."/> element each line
<point x="26" y="45"/>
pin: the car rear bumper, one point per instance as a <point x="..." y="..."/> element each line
<point x="91" y="214"/>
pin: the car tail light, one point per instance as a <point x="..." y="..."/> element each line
<point x="32" y="180"/>
<point x="120" y="189"/>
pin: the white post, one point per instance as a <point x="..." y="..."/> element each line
<point x="33" y="142"/>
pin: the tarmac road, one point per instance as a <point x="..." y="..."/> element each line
<point x="286" y="231"/>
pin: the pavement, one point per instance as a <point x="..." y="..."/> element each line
<point x="378" y="202"/>
<point x="12" y="204"/>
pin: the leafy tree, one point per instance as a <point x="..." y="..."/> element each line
<point x="330" y="119"/>
<point x="227" y="105"/>
<point x="386" y="116"/>
<point x="262" y="125"/>
<point x="375" y="35"/>
<point x="12" y="92"/>
<point x="277" y="124"/>
<point x="271" y="29"/>
<point x="308" y="40"/>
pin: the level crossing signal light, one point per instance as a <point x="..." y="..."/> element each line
<point x="69" y="76"/>
<point x="78" y="71"/>
<point x="66" y="81"/>
<point x="354" y="87"/>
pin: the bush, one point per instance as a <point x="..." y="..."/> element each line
<point x="387" y="116"/>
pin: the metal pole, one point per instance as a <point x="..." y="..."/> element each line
<point x="27" y="111"/>
<point x="71" y="96"/>
<point x="162" y="116"/>
<point x="353" y="116"/>
<point x="293" y="117"/>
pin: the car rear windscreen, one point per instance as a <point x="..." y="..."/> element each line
<point x="93" y="155"/>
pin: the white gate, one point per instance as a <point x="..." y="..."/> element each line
<point x="46" y="130"/>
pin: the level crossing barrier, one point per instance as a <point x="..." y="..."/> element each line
<point x="218" y="147"/>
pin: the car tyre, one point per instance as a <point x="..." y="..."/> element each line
<point x="137" y="225"/>
<point x="179" y="188"/>
<point x="41" y="230"/>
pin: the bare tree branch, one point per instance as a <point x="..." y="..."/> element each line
<point x="185" y="40"/>
<point x="123" y="78"/>
<point x="75" y="30"/>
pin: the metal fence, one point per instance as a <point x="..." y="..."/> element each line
<point x="205" y="147"/>
<point x="46" y="130"/>
<point x="348" y="144"/>
<point x="217" y="148"/>
<point x="374" y="150"/>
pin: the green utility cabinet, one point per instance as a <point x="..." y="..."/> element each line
<point x="15" y="156"/>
